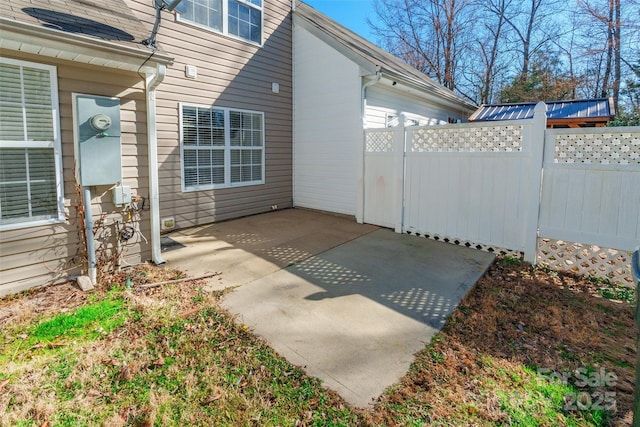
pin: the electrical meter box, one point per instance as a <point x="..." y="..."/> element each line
<point x="99" y="145"/>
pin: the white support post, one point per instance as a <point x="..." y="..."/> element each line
<point x="362" y="144"/>
<point x="398" y="163"/>
<point x="536" y="145"/>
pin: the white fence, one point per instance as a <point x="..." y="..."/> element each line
<point x="566" y="198"/>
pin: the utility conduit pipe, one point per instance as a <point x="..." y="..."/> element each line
<point x="88" y="230"/>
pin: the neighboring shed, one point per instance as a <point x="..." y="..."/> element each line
<point x="51" y="51"/>
<point x="343" y="84"/>
<point x="560" y="114"/>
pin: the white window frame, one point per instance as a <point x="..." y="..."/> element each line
<point x="55" y="144"/>
<point x="227" y="150"/>
<point x="225" y="22"/>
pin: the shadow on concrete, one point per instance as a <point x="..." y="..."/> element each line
<point x="352" y="303"/>
<point x="419" y="278"/>
<point x="336" y="257"/>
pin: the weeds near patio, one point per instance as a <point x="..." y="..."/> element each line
<point x="526" y="347"/>
<point x="164" y="357"/>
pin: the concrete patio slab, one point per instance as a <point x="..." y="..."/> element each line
<point x="355" y="315"/>
<point x="252" y="247"/>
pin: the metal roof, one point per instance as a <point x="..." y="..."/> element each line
<point x="587" y="109"/>
<point x="367" y="54"/>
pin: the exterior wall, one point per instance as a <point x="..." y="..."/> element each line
<point x="328" y="127"/>
<point x="383" y="100"/>
<point x="36" y="256"/>
<point x="231" y="73"/>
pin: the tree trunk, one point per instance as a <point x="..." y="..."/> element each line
<point x="610" y="42"/>
<point x="616" y="53"/>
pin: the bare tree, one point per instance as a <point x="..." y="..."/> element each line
<point x="531" y="23"/>
<point x="490" y="46"/>
<point x="427" y="34"/>
<point x="607" y="15"/>
<point x="480" y="47"/>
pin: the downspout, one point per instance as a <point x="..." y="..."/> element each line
<point x="152" y="82"/>
<point x="365" y="86"/>
<point x="360" y="172"/>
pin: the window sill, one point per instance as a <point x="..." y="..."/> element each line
<point x="30" y="224"/>
<point x="221" y="187"/>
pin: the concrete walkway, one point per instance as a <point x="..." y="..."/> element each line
<point x="351" y="305"/>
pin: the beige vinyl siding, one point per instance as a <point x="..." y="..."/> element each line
<point x="231" y="74"/>
<point x="36" y="256"/>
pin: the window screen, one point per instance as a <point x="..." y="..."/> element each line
<point x="221" y="147"/>
<point x="243" y="17"/>
<point x="28" y="144"/>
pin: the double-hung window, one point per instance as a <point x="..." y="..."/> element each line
<point x="237" y="18"/>
<point x="221" y="147"/>
<point x="30" y="156"/>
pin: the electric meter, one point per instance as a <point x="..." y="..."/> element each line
<point x="101" y="122"/>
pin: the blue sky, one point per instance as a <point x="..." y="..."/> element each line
<point x="352" y="14"/>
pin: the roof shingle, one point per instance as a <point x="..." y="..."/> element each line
<point x="112" y="21"/>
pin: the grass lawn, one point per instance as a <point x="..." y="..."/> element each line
<point x="526" y="347"/>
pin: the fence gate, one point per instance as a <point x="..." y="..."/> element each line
<point x="469" y="182"/>
<point x="383" y="163"/>
<point x="473" y="183"/>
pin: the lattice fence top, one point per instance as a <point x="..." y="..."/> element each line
<point x="380" y="141"/>
<point x="614" y="148"/>
<point x="595" y="261"/>
<point x="467" y="139"/>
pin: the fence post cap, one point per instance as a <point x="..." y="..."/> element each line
<point x="541" y="107"/>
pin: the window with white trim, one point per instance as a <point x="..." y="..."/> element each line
<point x="237" y="18"/>
<point x="30" y="156"/>
<point x="221" y="147"/>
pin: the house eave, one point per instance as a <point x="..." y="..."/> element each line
<point x="421" y="89"/>
<point x="35" y="39"/>
<point x="367" y="67"/>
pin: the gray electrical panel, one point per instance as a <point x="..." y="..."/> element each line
<point x="99" y="145"/>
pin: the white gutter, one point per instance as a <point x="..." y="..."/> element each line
<point x="32" y="38"/>
<point x="152" y="81"/>
<point x="360" y="165"/>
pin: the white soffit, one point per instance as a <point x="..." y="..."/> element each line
<point x="34" y="39"/>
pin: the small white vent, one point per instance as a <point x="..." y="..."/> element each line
<point x="191" y="71"/>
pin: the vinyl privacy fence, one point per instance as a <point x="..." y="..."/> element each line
<point x="565" y="198"/>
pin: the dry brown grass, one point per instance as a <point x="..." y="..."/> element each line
<point x="180" y="360"/>
<point x="516" y="317"/>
